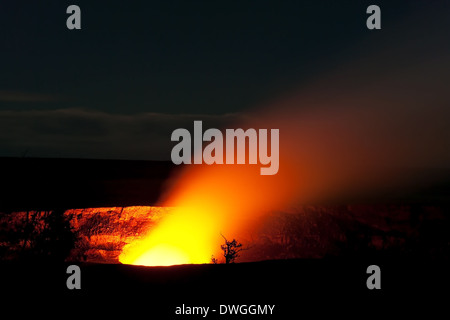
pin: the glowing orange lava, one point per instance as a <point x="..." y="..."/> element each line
<point x="182" y="237"/>
<point x="208" y="201"/>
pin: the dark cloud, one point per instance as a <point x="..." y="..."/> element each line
<point x="92" y="134"/>
<point x="20" y="96"/>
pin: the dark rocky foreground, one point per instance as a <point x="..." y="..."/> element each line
<point x="97" y="235"/>
<point x="406" y="235"/>
<point x="299" y="289"/>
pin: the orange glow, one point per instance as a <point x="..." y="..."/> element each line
<point x="182" y="237"/>
<point x="208" y="201"/>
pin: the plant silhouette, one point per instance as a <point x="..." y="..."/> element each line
<point x="231" y="250"/>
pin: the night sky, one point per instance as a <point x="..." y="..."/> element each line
<point x="137" y="69"/>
